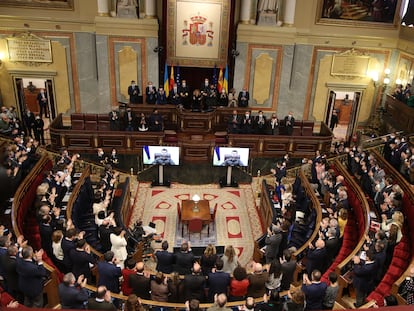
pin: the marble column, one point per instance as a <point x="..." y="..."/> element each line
<point x="289" y="7"/>
<point x="103" y="7"/>
<point x="150" y="9"/>
<point x="246" y="11"/>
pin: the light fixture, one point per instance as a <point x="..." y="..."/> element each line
<point x="196" y="198"/>
<point x="374" y="76"/>
<point x="398" y="81"/>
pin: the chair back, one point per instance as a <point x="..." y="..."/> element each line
<point x="213" y="215"/>
<point x="179" y="211"/>
<point x="195" y="225"/>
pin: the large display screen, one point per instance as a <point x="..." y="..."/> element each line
<point x="161" y="155"/>
<point x="230" y="156"/>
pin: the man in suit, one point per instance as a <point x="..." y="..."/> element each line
<point x="109" y="272"/>
<point x="81" y="259"/>
<point x="165" y="259"/>
<point x="332" y="245"/>
<point x="314" y="290"/>
<point x="29" y="122"/>
<point x="257" y="282"/>
<point x="102" y="301"/>
<point x="272" y="241"/>
<point x="194" y="284"/>
<point x="11" y="277"/>
<point x="39" y="132"/>
<point x="184" y="94"/>
<point x="243" y="98"/>
<point x="260" y="123"/>
<point x="151" y="93"/>
<point x="129" y="120"/>
<point x="289" y="123"/>
<point x="365" y="272"/>
<point x="316" y="257"/>
<point x="72" y="293"/>
<point x="31" y="276"/>
<point x="133" y="92"/>
<point x="140" y="282"/>
<point x="174" y="96"/>
<point x="114" y="120"/>
<point x="156" y="122"/>
<point x="218" y="281"/>
<point x="184" y="259"/>
<point x="68" y="243"/>
<point x="288" y="269"/>
<point x="234" y="123"/>
<point x="246" y="124"/>
<point x="42" y="101"/>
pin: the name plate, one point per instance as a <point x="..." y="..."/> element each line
<point x="349" y="65"/>
<point x="29" y="50"/>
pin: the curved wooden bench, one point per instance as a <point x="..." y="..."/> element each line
<point x="23" y="225"/>
<point x="317" y="207"/>
<point x="353" y="239"/>
<point x="403" y="254"/>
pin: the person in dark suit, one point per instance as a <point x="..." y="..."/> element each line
<point x="72" y="293"/>
<point x="29" y="122"/>
<point x="82" y="258"/>
<point x="161" y="96"/>
<point x="246" y="124"/>
<point x="109" y="272"/>
<point x="218" y="281"/>
<point x="288" y="269"/>
<point x="184" y="94"/>
<point x="133" y="92"/>
<point x="140" y="282"/>
<point x="272" y="241"/>
<point x="174" y="96"/>
<point x="316" y="257"/>
<point x="102" y="301"/>
<point x="165" y="259"/>
<point x="233" y="124"/>
<point x="289" y="123"/>
<point x="39" y="132"/>
<point x="314" y="290"/>
<point x="114" y="120"/>
<point x="332" y="245"/>
<point x="31" y="273"/>
<point x="68" y="243"/>
<point x="257" y="282"/>
<point x="364" y="277"/>
<point x="11" y="277"/>
<point x="260" y="123"/>
<point x="42" y="101"/>
<point x="129" y="120"/>
<point x="194" y="284"/>
<point x="151" y="93"/>
<point x="156" y="122"/>
<point x="243" y="98"/>
<point x="184" y="259"/>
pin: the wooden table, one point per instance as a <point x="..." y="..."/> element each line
<point x="187" y="212"/>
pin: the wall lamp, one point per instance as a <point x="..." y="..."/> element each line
<point x="385" y="82"/>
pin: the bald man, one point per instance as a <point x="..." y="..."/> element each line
<point x="316" y="257"/>
<point x="140" y="282"/>
<point x="194" y="284"/>
<point x="257" y="281"/>
<point x="219" y="303"/>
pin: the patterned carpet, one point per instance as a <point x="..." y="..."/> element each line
<point x="237" y="222"/>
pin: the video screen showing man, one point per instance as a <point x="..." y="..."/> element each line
<point x="163" y="158"/>
<point x="232" y="159"/>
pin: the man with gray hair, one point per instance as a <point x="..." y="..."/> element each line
<point x="219" y="303"/>
<point x="72" y="294"/>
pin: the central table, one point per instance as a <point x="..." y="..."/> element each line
<point x="187" y="212"/>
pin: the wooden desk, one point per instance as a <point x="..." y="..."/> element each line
<point x="187" y="212"/>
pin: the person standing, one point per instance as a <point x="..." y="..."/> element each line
<point x="334" y="120"/>
<point x="109" y="272"/>
<point x="243" y="98"/>
<point x="289" y="123"/>
<point x="161" y="96"/>
<point x="42" y="101"/>
<point x="184" y="94"/>
<point x="174" y="96"/>
<point x="31" y="276"/>
<point x="39" y="132"/>
<point x="129" y="120"/>
<point x="272" y="241"/>
<point x="274" y="125"/>
<point x="314" y="290"/>
<point x="72" y="293"/>
<point x="114" y="120"/>
<point x="29" y="122"/>
<point x="133" y="92"/>
<point x="156" y="122"/>
<point x="365" y="272"/>
<point x="260" y="123"/>
<point x="165" y="259"/>
<point x="151" y="93"/>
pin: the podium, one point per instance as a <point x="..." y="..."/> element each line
<point x="161" y="181"/>
<point x="228" y="181"/>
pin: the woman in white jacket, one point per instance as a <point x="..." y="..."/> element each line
<point x="119" y="245"/>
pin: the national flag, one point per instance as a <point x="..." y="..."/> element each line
<point x="166" y="82"/>
<point x="214" y="82"/>
<point x="220" y="80"/>
<point x="172" y="80"/>
<point x="178" y="76"/>
<point x="217" y="150"/>
<point x="147" y="152"/>
<point x="226" y="80"/>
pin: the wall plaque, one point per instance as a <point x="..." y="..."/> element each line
<point x="29" y="49"/>
<point x="349" y="65"/>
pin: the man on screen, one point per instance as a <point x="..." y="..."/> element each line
<point x="232" y="159"/>
<point x="163" y="158"/>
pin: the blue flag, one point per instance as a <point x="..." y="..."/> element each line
<point x="217" y="150"/>
<point x="178" y="76"/>
<point x="214" y="82"/>
<point x="147" y="152"/>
